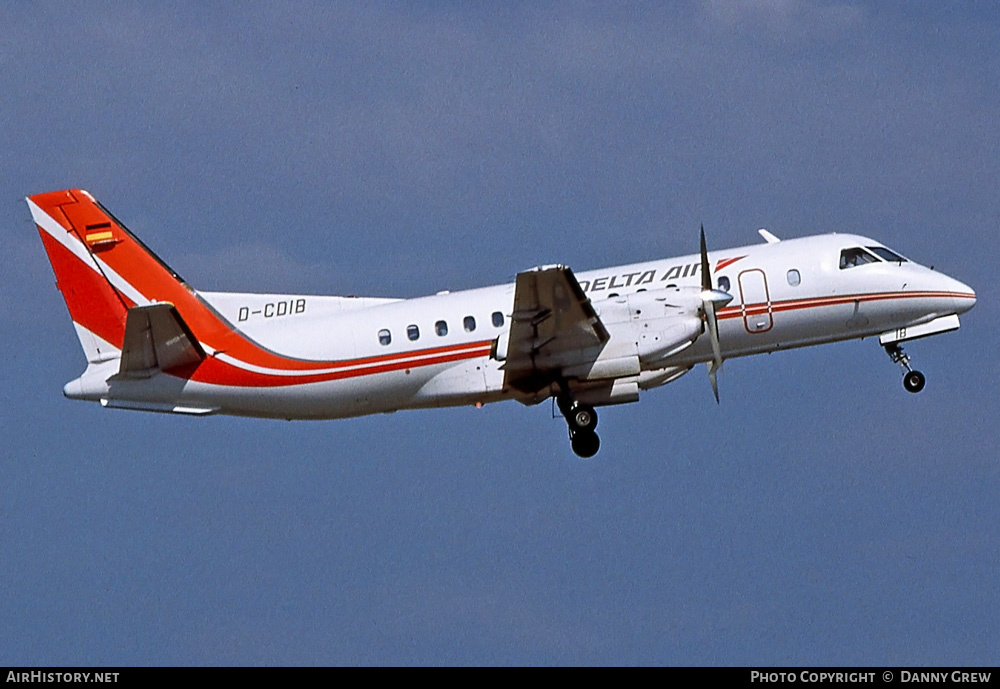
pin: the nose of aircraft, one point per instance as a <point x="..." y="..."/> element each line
<point x="963" y="295"/>
<point x="967" y="301"/>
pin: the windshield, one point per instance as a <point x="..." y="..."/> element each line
<point x="849" y="258"/>
<point x="886" y="254"/>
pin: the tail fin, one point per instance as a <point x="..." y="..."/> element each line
<point x="103" y="270"/>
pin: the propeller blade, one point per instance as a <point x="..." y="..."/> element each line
<point x="712" y="370"/>
<point x="712" y="299"/>
<point x="706" y="276"/>
<point x="712" y="323"/>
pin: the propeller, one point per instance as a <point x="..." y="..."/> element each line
<point x="712" y="300"/>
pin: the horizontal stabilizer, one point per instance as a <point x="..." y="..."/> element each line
<point x="157" y="339"/>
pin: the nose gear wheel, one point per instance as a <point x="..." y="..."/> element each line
<point x="913" y="381"/>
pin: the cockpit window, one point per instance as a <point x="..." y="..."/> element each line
<point x="886" y="254"/>
<point x="849" y="258"/>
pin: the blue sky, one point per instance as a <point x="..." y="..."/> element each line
<point x="819" y="515"/>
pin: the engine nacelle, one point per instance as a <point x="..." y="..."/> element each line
<point x="666" y="321"/>
<point x="659" y="341"/>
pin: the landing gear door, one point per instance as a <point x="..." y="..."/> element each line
<point x="756" y="301"/>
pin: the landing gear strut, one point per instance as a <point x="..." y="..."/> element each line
<point x="582" y="420"/>
<point x="913" y="381"/>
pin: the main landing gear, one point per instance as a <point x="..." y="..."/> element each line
<point x="582" y="420"/>
<point x="913" y="381"/>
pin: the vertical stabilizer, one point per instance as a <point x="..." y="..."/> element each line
<point x="104" y="271"/>
<point x="73" y="233"/>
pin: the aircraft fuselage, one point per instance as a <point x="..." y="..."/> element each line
<point x="596" y="338"/>
<point x="768" y="313"/>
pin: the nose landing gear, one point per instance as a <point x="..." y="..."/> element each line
<point x="582" y="420"/>
<point x="913" y="381"/>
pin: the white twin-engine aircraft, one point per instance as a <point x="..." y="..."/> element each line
<point x="154" y="343"/>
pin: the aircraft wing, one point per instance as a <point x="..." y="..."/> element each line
<point x="552" y="326"/>
<point x="157" y="339"/>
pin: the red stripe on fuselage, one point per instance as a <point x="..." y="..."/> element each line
<point x="214" y="371"/>
<point x="217" y="372"/>
<point x="816" y="302"/>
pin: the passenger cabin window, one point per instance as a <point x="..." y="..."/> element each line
<point x="441" y="328"/>
<point x="412" y="332"/>
<point x="724" y="284"/>
<point x="469" y="323"/>
<point x="497" y="319"/>
<point x="794" y="278"/>
<point x="384" y="337"/>
<point x="850" y="258"/>
<point x="886" y="254"/>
